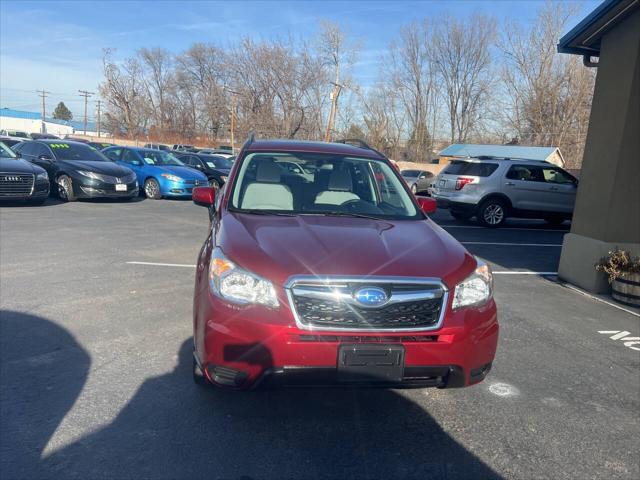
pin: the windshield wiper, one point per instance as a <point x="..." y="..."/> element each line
<point x="264" y="212"/>
<point x="345" y="214"/>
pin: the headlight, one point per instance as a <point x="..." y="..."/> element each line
<point x="170" y="177"/>
<point x="95" y="176"/>
<point x="237" y="285"/>
<point x="476" y="289"/>
<point x="42" y="176"/>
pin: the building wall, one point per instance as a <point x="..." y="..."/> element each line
<point x="24" y="124"/>
<point x="607" y="212"/>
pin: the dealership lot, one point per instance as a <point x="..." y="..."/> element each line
<point x="96" y="382"/>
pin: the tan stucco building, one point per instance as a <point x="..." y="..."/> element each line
<point x="607" y="211"/>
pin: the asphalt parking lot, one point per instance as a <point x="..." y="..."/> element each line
<point x="96" y="356"/>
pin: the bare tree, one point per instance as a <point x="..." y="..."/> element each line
<point x="460" y="54"/>
<point x="413" y="80"/>
<point x="550" y="94"/>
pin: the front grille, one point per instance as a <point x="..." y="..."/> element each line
<point x="16" y="184"/>
<point x="333" y="305"/>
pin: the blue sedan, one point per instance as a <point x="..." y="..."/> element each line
<point x="160" y="173"/>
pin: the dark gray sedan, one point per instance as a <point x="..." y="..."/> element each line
<point x="418" y="180"/>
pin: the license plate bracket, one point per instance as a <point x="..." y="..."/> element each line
<point x="370" y="363"/>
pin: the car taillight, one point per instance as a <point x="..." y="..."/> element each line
<point x="462" y="181"/>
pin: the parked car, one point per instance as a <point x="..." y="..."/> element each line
<point x="184" y="148"/>
<point x="15" y="134"/>
<point x="43" y="136"/>
<point x="77" y="170"/>
<point x="342" y="278"/>
<point x="223" y="152"/>
<point x="21" y="180"/>
<point x="215" y="167"/>
<point x="157" y="146"/>
<point x="418" y="180"/>
<point x="494" y="189"/>
<point x="11" y="141"/>
<point x="160" y="173"/>
<point x="100" y="145"/>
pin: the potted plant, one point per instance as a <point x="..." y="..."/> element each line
<point x="623" y="271"/>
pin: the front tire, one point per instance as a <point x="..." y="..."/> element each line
<point x="65" y="189"/>
<point x="414" y="189"/>
<point x="214" y="183"/>
<point x="492" y="213"/>
<point x="152" y="189"/>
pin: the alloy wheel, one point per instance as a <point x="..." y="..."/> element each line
<point x="151" y="189"/>
<point x="493" y="214"/>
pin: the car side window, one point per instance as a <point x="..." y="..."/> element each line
<point x="28" y="148"/>
<point x="189" y="160"/>
<point x="554" y="175"/>
<point x="525" y="173"/>
<point x="113" y="154"/>
<point x="41" y="149"/>
<point x="129" y="156"/>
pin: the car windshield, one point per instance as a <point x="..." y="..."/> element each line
<point x="215" y="161"/>
<point x="76" y="151"/>
<point x="6" y="152"/>
<point x="311" y="183"/>
<point x="159" y="157"/>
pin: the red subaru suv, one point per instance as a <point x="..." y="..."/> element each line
<point x="321" y="268"/>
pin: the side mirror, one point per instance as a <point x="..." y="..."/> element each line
<point x="18" y="154"/>
<point x="204" y="196"/>
<point x="427" y="204"/>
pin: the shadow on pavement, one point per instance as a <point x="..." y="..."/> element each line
<point x="173" y="429"/>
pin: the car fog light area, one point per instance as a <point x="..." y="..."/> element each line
<point x="476" y="289"/>
<point x="237" y="285"/>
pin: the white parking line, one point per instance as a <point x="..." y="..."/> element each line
<point x="516" y="272"/>
<point x="506" y="228"/>
<point x="162" y="264"/>
<point x="514" y="244"/>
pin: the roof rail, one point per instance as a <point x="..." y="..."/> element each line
<point x="250" y="139"/>
<point x="497" y="157"/>
<point x="357" y="142"/>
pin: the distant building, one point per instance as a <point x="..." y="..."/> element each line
<point x="460" y="150"/>
<point x="31" y="122"/>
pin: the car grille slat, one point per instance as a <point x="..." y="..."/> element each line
<point x="16" y="184"/>
<point x="409" y="307"/>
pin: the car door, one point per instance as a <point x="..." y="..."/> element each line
<point x="132" y="160"/>
<point x="425" y="179"/>
<point x="44" y="157"/>
<point x="562" y="189"/>
<point x="525" y="186"/>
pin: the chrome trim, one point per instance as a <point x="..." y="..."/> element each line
<point x="33" y="183"/>
<point x="303" y="282"/>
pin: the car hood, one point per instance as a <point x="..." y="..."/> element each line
<point x="277" y="247"/>
<point x="18" y="165"/>
<point x="105" y="168"/>
<point x="186" y="173"/>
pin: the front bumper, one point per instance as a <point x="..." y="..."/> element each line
<point x="180" y="189"/>
<point x="242" y="347"/>
<point x="96" y="189"/>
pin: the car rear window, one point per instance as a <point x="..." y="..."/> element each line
<point x="474" y="169"/>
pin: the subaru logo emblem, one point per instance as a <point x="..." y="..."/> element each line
<point x="370" y="296"/>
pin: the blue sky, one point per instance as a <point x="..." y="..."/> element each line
<point x="58" y="45"/>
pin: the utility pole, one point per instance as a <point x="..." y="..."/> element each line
<point x="233" y="124"/>
<point x="43" y="95"/>
<point x="98" y="102"/>
<point x="86" y="95"/>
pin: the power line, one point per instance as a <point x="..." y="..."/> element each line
<point x="86" y="95"/>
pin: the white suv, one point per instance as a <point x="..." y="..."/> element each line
<point x="492" y="189"/>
